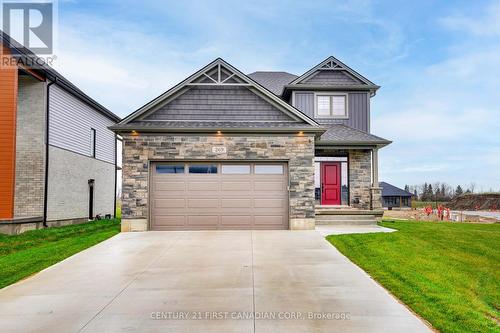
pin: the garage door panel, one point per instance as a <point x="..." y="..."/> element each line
<point x="236" y="220"/>
<point x="277" y="186"/>
<point x="219" y="201"/>
<point x="269" y="195"/>
<point x="203" y="186"/>
<point x="169" y="186"/>
<point x="170" y="220"/>
<point x="269" y="220"/>
<point x="203" y="203"/>
<point x="238" y="211"/>
<point x="169" y="203"/>
<point x="236" y="203"/>
<point x="268" y="203"/>
<point x="169" y="195"/>
<point x="207" y="220"/>
<point x="236" y="186"/>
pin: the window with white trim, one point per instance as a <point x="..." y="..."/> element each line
<point x="331" y="105"/>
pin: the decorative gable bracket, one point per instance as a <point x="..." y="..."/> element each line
<point x="218" y="75"/>
<point x="331" y="65"/>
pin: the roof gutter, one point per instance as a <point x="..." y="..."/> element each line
<point x="331" y="87"/>
<point x="287" y="89"/>
<point x="352" y="145"/>
<point x="147" y="129"/>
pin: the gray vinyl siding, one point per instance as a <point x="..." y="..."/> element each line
<point x="217" y="103"/>
<point x="331" y="77"/>
<point x="358" y="109"/>
<point x="70" y="122"/>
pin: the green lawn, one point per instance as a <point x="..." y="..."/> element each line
<point x="449" y="273"/>
<point x="25" y="254"/>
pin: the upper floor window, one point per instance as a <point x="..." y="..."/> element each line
<point x="331" y="105"/>
<point x="92" y="142"/>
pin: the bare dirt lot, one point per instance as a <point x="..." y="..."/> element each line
<point x="457" y="216"/>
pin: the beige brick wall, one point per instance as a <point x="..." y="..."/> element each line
<point x="30" y="148"/>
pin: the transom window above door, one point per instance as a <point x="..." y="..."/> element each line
<point x="331" y="105"/>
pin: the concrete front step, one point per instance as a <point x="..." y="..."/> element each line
<point x="348" y="212"/>
<point x="328" y="215"/>
<point x="346" y="217"/>
<point x="346" y="222"/>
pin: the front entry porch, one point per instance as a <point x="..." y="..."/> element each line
<point x="347" y="177"/>
<point x="346" y="186"/>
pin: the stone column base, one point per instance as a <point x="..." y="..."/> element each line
<point x="376" y="198"/>
<point x="302" y="224"/>
<point x="129" y="225"/>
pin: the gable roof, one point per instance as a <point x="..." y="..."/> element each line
<point x="218" y="73"/>
<point x="273" y="81"/>
<point x="345" y="78"/>
<point x="339" y="134"/>
<point x="389" y="190"/>
<point x="333" y="64"/>
<point x="25" y="56"/>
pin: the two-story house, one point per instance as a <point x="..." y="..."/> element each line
<point x="267" y="150"/>
<point x="58" y="157"/>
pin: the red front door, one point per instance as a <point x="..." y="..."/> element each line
<point x="330" y="183"/>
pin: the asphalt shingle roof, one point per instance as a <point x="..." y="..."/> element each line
<point x="273" y="81"/>
<point x="389" y="190"/>
<point x="339" y="133"/>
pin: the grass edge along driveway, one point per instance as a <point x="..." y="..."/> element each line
<point x="30" y="252"/>
<point x="448" y="273"/>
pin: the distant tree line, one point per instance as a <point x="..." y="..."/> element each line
<point x="439" y="191"/>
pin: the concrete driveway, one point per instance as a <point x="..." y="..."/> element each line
<point x="205" y="282"/>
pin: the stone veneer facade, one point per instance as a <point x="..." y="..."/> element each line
<point x="139" y="150"/>
<point x="360" y="179"/>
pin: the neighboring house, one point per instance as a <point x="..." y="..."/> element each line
<point x="393" y="196"/>
<point x="225" y="150"/>
<point x="72" y="178"/>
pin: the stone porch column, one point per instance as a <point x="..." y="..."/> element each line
<point x="376" y="190"/>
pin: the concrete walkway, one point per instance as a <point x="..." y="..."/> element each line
<point x="326" y="230"/>
<point x="205" y="282"/>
